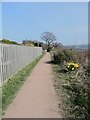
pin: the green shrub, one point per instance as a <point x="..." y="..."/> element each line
<point x="61" y="55"/>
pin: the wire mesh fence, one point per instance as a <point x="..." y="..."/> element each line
<point x="15" y="57"/>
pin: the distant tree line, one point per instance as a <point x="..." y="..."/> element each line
<point x="32" y="43"/>
<point x="6" y="41"/>
<point x="48" y="37"/>
<point x="24" y="42"/>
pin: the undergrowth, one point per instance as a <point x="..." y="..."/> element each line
<point x="73" y="86"/>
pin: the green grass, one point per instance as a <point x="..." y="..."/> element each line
<point x="13" y="85"/>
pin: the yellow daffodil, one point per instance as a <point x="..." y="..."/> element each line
<point x="71" y="66"/>
<point x="76" y="65"/>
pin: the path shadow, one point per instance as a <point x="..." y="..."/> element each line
<point x="63" y="70"/>
<point x="50" y="62"/>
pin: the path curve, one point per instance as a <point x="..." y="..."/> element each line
<point x="37" y="97"/>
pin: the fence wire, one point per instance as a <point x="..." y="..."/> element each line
<point x="15" y="57"/>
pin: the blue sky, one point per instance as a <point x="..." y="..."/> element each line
<point x="26" y="20"/>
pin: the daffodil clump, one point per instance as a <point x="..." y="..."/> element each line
<point x="72" y="66"/>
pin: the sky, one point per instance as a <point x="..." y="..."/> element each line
<point x="68" y="21"/>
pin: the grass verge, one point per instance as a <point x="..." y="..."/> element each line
<point x="11" y="87"/>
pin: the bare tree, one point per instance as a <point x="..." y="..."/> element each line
<point x="49" y="38"/>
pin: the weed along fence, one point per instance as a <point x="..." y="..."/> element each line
<point x="15" y="57"/>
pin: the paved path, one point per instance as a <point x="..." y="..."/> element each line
<point x="37" y="97"/>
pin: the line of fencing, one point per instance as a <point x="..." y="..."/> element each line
<point x="15" y="57"/>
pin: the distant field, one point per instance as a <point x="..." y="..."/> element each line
<point x="78" y="46"/>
